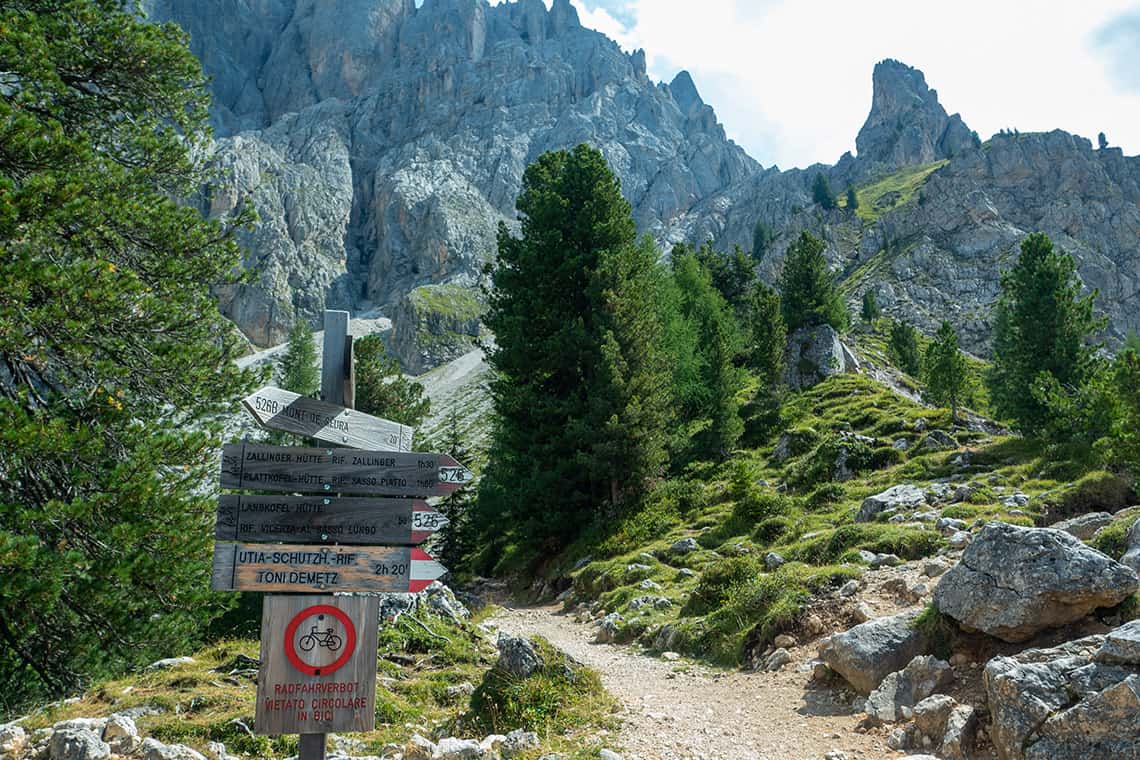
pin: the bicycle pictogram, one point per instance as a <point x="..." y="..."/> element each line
<point x="326" y="638"/>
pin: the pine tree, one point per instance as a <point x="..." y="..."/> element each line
<point x="807" y="289"/>
<point x="945" y="370"/>
<point x="903" y="345"/>
<point x="382" y="389"/>
<point x="871" y="310"/>
<point x="821" y="192"/>
<point x="767" y="336"/>
<point x="732" y="274"/>
<point x="299" y="371"/>
<point x="456" y="540"/>
<point x="762" y="236"/>
<point x="1042" y="324"/>
<point x="1101" y="141"/>
<point x="115" y="362"/>
<point x="852" y="199"/>
<point x="581" y="386"/>
<point x="713" y="395"/>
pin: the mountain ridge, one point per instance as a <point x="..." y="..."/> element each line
<point x="383" y="144"/>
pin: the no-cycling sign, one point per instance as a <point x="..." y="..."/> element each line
<point x="316" y="675"/>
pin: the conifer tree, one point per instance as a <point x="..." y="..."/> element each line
<point x="808" y="295"/>
<point x="732" y="274"/>
<point x="456" y="539"/>
<point x="821" y="192"/>
<point x="115" y="361"/>
<point x="871" y="310"/>
<point x="767" y="336"/>
<point x="382" y="389"/>
<point x="713" y="395"/>
<point x="761" y="236"/>
<point x="903" y="345"/>
<point x="852" y="199"/>
<point x="945" y="370"/>
<point x="299" y="371"/>
<point x="1042" y="324"/>
<point x="581" y="389"/>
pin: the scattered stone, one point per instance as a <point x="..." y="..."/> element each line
<point x="777" y="660"/>
<point x="772" y="560"/>
<point x="885" y="560"/>
<point x="1013" y="582"/>
<point x="850" y="588"/>
<point x="77" y="744"/>
<point x="900" y="444"/>
<point x="949" y="525"/>
<point x="684" y="546"/>
<point x="820" y="671"/>
<point x="419" y="748"/>
<point x="121" y="733"/>
<point x="1121" y="646"/>
<point x="896" y="696"/>
<point x="959" y="540"/>
<point x="649" y="585"/>
<point x="784" y="641"/>
<point x="1084" y="526"/>
<point x="667" y="638"/>
<point x="609" y="629"/>
<point x="637" y="568"/>
<point x="1016" y="499"/>
<point x="670" y="656"/>
<point x="13" y="741"/>
<point x="517" y="656"/>
<point x="170" y="662"/>
<point x="961" y="732"/>
<point x="919" y="425"/>
<point x="813" y="624"/>
<point x="900" y="738"/>
<point x="836" y="754"/>
<point x="894" y="499"/>
<point x="862" y="612"/>
<point x="464" y="689"/>
<point x="1131" y="556"/>
<point x="152" y="749"/>
<point x="1061" y="704"/>
<point x="926" y="517"/>
<point x="867" y="653"/>
<point x="686" y="572"/>
<point x="452" y="748"/>
<point x="519" y="742"/>
<point x="607" y="754"/>
<point x="582" y="562"/>
<point x="933" y="568"/>
<point x="938" y="439"/>
<point x="932" y="713"/>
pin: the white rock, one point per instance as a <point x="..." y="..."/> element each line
<point x="121" y="733"/>
<point x="77" y="744"/>
<point x="153" y="749"/>
<point x="170" y="662"/>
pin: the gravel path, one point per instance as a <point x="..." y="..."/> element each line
<point x="684" y="711"/>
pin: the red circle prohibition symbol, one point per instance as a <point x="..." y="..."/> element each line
<point x="291" y="645"/>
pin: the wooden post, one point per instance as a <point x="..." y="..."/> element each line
<point x="336" y="388"/>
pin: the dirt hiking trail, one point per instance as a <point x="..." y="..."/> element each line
<point x="680" y="710"/>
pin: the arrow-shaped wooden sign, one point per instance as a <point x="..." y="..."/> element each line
<point x="326" y="519"/>
<point x="291" y="469"/>
<point x="283" y="410"/>
<point x="310" y="569"/>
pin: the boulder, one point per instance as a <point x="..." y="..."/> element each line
<point x="960" y="735"/>
<point x="932" y="713"/>
<point x="609" y="629"/>
<point x="894" y="499"/>
<point x="867" y="653"/>
<point x="1131" y="556"/>
<point x="153" y="749"/>
<point x="813" y="354"/>
<point x="170" y="662"/>
<point x="434" y="324"/>
<point x="13" y="741"/>
<point x="938" y="439"/>
<point x="894" y="699"/>
<point x="457" y="749"/>
<point x="772" y="561"/>
<point x="1013" y="582"/>
<point x="1121" y="646"/>
<point x="777" y="660"/>
<point x="517" y="656"/>
<point x="519" y="742"/>
<point x="1084" y="526"/>
<point x="120" y="732"/>
<point x="78" y="744"/>
<point x="684" y="546"/>
<point x="1062" y="704"/>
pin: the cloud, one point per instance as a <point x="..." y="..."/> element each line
<point x="791" y="79"/>
<point x="1119" y="43"/>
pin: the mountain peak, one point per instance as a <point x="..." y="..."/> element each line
<point x="684" y="92"/>
<point x="907" y="125"/>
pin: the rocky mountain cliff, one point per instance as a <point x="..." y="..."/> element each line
<point x="382" y="144"/>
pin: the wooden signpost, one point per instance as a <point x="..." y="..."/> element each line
<point x="293" y="469"/>
<point x="318" y="653"/>
<point x="289" y="412"/>
<point x="325" y="519"/>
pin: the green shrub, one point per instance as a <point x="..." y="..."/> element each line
<point x="772" y="529"/>
<point x="716" y="581"/>
<point x="560" y="696"/>
<point x="825" y="495"/>
<point x="881" y="538"/>
<point x="1098" y="491"/>
<point x="1112" y="539"/>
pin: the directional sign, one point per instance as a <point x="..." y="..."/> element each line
<point x="325" y="519"/>
<point x="318" y="664"/>
<point x="292" y="469"/>
<point x="283" y="410"/>
<point x="298" y="568"/>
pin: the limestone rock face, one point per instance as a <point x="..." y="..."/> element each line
<point x="1064" y="704"/>
<point x="907" y="125"/>
<point x="1013" y="582"/>
<point x="433" y="325"/>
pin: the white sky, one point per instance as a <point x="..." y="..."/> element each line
<point x="791" y="79"/>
